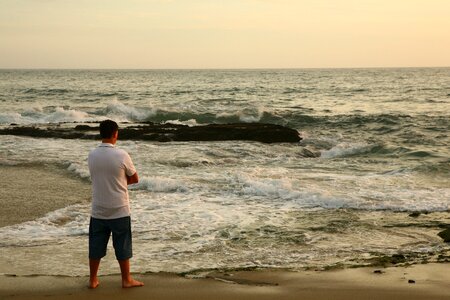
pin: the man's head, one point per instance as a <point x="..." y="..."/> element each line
<point x="108" y="130"/>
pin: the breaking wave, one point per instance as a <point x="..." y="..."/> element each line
<point x="294" y="195"/>
<point x="160" y="185"/>
<point x="56" y="115"/>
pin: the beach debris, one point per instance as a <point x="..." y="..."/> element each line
<point x="445" y="235"/>
<point x="411" y="281"/>
<point x="378" y="271"/>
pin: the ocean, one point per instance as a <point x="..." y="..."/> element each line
<point x="375" y="148"/>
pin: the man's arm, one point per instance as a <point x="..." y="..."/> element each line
<point x="133" y="178"/>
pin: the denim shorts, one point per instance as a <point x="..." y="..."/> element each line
<point x="99" y="232"/>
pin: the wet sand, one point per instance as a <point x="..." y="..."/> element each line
<point x="29" y="192"/>
<point x="430" y="282"/>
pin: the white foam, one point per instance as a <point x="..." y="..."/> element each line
<point x="225" y="115"/>
<point x="69" y="221"/>
<point x="70" y="115"/>
<point x="281" y="188"/>
<point x="274" y="190"/>
<point x="121" y="112"/>
<point x="160" y="185"/>
<point x="7" y="118"/>
<point x="362" y="195"/>
<point x="346" y="149"/>
<point x="36" y="115"/>
<point x="79" y="169"/>
<point x="191" y="122"/>
<point x="36" y="109"/>
<point x="247" y="115"/>
<point x="114" y="109"/>
<point x="251" y="116"/>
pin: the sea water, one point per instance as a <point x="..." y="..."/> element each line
<point x="375" y="148"/>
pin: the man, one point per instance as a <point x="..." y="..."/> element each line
<point x="111" y="171"/>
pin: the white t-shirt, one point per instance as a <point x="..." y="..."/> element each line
<point x="108" y="167"/>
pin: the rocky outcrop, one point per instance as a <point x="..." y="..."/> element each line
<point x="266" y="133"/>
<point x="445" y="235"/>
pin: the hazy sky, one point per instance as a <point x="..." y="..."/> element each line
<point x="224" y="34"/>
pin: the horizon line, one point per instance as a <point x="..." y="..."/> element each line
<point x="243" y="68"/>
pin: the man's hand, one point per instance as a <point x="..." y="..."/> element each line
<point x="133" y="179"/>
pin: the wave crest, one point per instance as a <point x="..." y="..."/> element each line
<point x="118" y="110"/>
<point x="348" y="149"/>
<point x="160" y="185"/>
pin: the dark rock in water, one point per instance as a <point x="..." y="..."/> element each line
<point x="42" y="132"/>
<point x="445" y="235"/>
<point x="411" y="281"/>
<point x="266" y="133"/>
<point x="387" y="260"/>
<point x="398" y="258"/>
<point x="443" y="258"/>
<point x="308" y="153"/>
<point x="378" y="272"/>
<point x="415" y="214"/>
<point x="85" y="127"/>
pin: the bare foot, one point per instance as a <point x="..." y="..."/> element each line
<point x="93" y="283"/>
<point x="131" y="283"/>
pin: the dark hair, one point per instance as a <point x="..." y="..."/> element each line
<point x="107" y="128"/>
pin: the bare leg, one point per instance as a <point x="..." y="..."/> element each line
<point x="94" y="264"/>
<point x="127" y="281"/>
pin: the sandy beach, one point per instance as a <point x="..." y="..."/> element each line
<point x="30" y="191"/>
<point x="427" y="281"/>
<point x="430" y="282"/>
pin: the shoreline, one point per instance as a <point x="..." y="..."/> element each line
<point x="427" y="281"/>
<point x="42" y="188"/>
<point x="31" y="191"/>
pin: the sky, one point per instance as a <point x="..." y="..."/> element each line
<point x="159" y="34"/>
